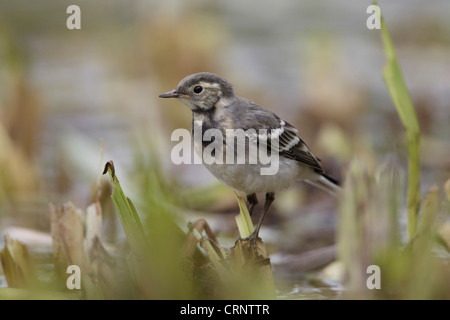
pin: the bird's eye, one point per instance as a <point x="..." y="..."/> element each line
<point x="198" y="89"/>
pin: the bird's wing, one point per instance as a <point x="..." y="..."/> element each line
<point x="290" y="145"/>
<point x="293" y="147"/>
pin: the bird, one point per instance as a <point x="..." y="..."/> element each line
<point x="214" y="105"/>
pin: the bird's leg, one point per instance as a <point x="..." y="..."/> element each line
<point x="252" y="201"/>
<point x="270" y="196"/>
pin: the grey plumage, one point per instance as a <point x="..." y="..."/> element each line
<point x="214" y="105"/>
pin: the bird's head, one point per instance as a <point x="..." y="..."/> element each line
<point x="202" y="92"/>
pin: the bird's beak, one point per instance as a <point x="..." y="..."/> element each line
<point x="170" y="94"/>
<point x="173" y="94"/>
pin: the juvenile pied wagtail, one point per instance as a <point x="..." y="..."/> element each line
<point x="214" y="105"/>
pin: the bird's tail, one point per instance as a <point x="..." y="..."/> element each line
<point x="327" y="183"/>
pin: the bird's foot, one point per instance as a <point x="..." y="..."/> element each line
<point x="252" y="242"/>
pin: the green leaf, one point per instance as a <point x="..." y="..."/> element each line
<point x="396" y="86"/>
<point x="243" y="220"/>
<point x="127" y="212"/>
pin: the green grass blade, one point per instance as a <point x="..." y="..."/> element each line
<point x="127" y="212"/>
<point x="396" y="86"/>
<point x="243" y="220"/>
<point x="430" y="209"/>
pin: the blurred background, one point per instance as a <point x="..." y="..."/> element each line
<point x="65" y="92"/>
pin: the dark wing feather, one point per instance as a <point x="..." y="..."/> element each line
<point x="293" y="147"/>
